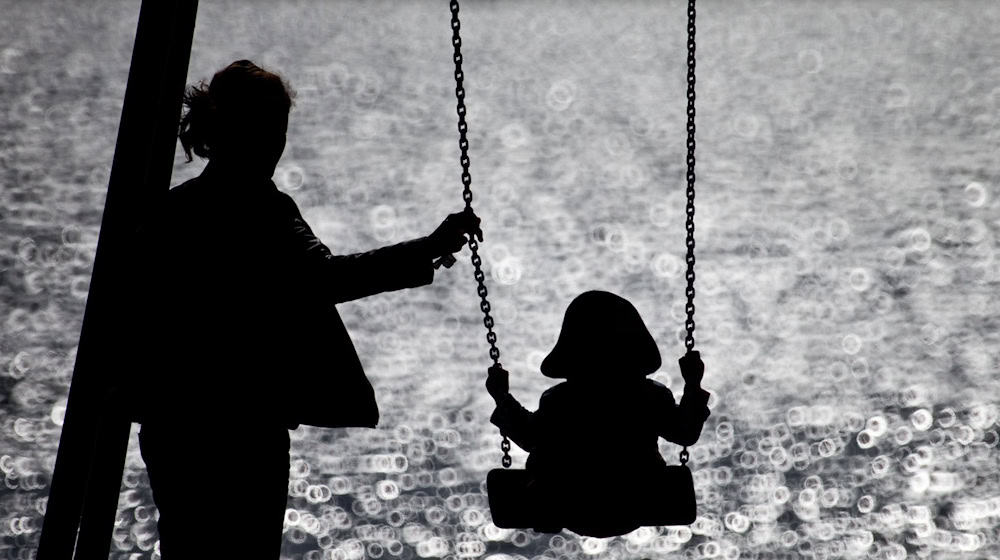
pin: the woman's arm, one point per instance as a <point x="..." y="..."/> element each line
<point x="343" y="278"/>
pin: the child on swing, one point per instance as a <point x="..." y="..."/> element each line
<point x="592" y="442"/>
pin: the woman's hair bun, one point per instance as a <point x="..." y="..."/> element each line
<point x="217" y="112"/>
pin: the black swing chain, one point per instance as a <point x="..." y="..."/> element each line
<point x="689" y="225"/>
<point x="477" y="262"/>
<point x="463" y="144"/>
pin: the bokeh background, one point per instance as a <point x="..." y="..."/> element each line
<point x="847" y="236"/>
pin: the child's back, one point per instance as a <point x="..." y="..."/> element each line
<point x="606" y="427"/>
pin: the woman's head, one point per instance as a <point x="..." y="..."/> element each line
<point x="602" y="334"/>
<point x="240" y="117"/>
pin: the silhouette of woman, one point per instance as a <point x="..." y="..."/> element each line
<point x="246" y="341"/>
<point x="592" y="442"/>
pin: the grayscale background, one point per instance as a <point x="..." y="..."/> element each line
<point x="847" y="237"/>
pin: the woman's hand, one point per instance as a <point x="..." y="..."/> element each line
<point x="692" y="368"/>
<point x="498" y="383"/>
<point x="450" y="236"/>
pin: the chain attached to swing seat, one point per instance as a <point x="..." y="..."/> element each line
<point x="463" y="144"/>
<point x="477" y="262"/>
<point x="689" y="224"/>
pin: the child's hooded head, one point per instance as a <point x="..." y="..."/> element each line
<point x="602" y="335"/>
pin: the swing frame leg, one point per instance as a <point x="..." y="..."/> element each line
<point x="86" y="481"/>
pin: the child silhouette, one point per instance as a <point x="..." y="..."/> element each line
<point x="592" y="442"/>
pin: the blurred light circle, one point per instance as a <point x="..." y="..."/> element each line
<point x="789" y="539"/>
<point x="592" y="546"/>
<point x="902" y="435"/>
<point x="382" y="216"/>
<point x="781" y="494"/>
<point x="366" y="88"/>
<point x="340" y="485"/>
<point x="298" y="487"/>
<point x="736" y="522"/>
<point x="894" y="257"/>
<point x="920" y="239"/>
<point x="866" y="504"/>
<point x="662" y="214"/>
<point x="865" y="439"/>
<point x="810" y="61"/>
<point x="977" y="194"/>
<point x="290" y="177"/>
<point x="318" y="493"/>
<point x="847" y="168"/>
<point x="827" y="448"/>
<point x="641" y="125"/>
<point x="514" y="135"/>
<point x="299" y="468"/>
<point x="859" y="279"/>
<point x="71" y="235"/>
<point x="11" y="60"/>
<point x="947" y="417"/>
<point x="386" y="490"/>
<point x="746" y="125"/>
<point x="26" y="251"/>
<point x="877" y="426"/>
<point x="507" y="271"/>
<point x="617" y="144"/>
<point x="838" y="229"/>
<point x="897" y="96"/>
<point x="807" y="497"/>
<point x="796" y="416"/>
<point x="851" y="344"/>
<point x="667" y="265"/>
<point x="560" y="95"/>
<point x="879" y="466"/>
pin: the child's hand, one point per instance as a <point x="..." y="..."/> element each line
<point x="692" y="368"/>
<point x="497" y="383"/>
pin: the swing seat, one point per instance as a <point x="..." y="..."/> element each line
<point x="517" y="503"/>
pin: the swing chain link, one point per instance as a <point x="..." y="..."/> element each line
<point x="477" y="262"/>
<point x="689" y="225"/>
<point x="689" y="292"/>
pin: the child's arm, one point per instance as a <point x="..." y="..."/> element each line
<point x="682" y="423"/>
<point x="514" y="421"/>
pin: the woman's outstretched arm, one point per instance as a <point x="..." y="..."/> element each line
<point x="348" y="277"/>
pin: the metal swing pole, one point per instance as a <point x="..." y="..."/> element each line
<point x="83" y="496"/>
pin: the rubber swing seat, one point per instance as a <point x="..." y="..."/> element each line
<point x="590" y="509"/>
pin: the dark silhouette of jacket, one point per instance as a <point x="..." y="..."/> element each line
<point x="243" y="325"/>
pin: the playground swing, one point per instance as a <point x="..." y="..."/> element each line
<point x="512" y="501"/>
